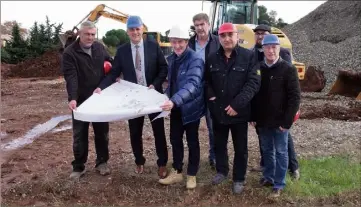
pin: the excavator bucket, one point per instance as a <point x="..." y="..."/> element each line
<point x="348" y="83"/>
<point x="67" y="38"/>
<point x="63" y="38"/>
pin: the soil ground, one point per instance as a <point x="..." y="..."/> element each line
<point x="37" y="174"/>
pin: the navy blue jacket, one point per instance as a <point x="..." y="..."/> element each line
<point x="190" y="85"/>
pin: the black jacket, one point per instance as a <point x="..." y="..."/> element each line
<point x="83" y="72"/>
<point x="279" y="96"/>
<point x="212" y="46"/>
<point x="234" y="83"/>
<point x="156" y="68"/>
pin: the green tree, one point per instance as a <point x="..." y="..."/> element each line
<point x="270" y="18"/>
<point x="17" y="49"/>
<point x="115" y="37"/>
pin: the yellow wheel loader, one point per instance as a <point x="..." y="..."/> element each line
<point x="244" y="14"/>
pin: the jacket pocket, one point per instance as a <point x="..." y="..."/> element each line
<point x="238" y="75"/>
<point x="276" y="83"/>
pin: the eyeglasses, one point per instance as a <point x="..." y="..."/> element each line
<point x="229" y="34"/>
<point x="260" y="33"/>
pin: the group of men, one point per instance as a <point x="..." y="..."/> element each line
<point x="209" y="76"/>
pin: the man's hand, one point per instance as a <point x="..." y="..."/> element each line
<point x="167" y="106"/>
<point x="97" y="90"/>
<point x="72" y="105"/>
<point x="230" y="111"/>
<point x="282" y="129"/>
<point x="213" y="98"/>
<point x="151" y="87"/>
<point x="118" y="79"/>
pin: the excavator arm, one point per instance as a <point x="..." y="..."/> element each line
<point x="93" y="16"/>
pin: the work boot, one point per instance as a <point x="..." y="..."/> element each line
<point x="275" y="193"/>
<point x="103" y="169"/>
<point x="295" y="175"/>
<point x="238" y="187"/>
<point x="76" y="175"/>
<point x="219" y="178"/>
<point x="191" y="182"/>
<point x="173" y="177"/>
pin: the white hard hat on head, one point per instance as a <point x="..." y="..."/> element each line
<point x="177" y="32"/>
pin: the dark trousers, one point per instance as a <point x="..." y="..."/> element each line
<point x="176" y="138"/>
<point x="136" y="132"/>
<point x="211" y="156"/>
<point x="292" y="158"/>
<point x="240" y="139"/>
<point x="81" y="143"/>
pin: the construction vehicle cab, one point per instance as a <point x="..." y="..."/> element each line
<point x="244" y="14"/>
<point x="70" y="36"/>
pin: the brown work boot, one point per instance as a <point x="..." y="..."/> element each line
<point x="162" y="172"/>
<point x="139" y="169"/>
<point x="103" y="169"/>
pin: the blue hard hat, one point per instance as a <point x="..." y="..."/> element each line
<point x="134" y="21"/>
<point x="270" y="39"/>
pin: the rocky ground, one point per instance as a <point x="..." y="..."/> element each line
<point x="329" y="37"/>
<point x="37" y="174"/>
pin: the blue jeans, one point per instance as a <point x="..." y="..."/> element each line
<point x="274" y="144"/>
<point x="212" y="155"/>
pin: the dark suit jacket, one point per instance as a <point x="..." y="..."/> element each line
<point x="156" y="68"/>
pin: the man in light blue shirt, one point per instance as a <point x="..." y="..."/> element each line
<point x="205" y="43"/>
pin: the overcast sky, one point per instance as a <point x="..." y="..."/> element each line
<point x="157" y="15"/>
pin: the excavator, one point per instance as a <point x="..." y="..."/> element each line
<point x="70" y="36"/>
<point x="244" y="14"/>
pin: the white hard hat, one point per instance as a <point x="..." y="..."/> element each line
<point x="177" y="32"/>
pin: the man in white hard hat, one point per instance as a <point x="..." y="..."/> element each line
<point x="186" y="103"/>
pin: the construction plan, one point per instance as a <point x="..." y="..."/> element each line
<point x="121" y="101"/>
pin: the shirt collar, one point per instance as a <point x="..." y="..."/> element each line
<point x="270" y="65"/>
<point x="206" y="41"/>
<point x="140" y="43"/>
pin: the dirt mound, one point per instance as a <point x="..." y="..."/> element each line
<point x="329" y="36"/>
<point x="314" y="80"/>
<point x="47" y="65"/>
<point x="5" y="69"/>
<point x="351" y="113"/>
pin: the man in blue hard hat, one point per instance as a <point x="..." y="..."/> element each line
<point x="142" y="62"/>
<point x="260" y="31"/>
<point x="274" y="108"/>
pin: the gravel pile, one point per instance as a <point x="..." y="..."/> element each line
<point x="329" y="37"/>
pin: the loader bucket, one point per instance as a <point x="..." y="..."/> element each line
<point x="348" y="83"/>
